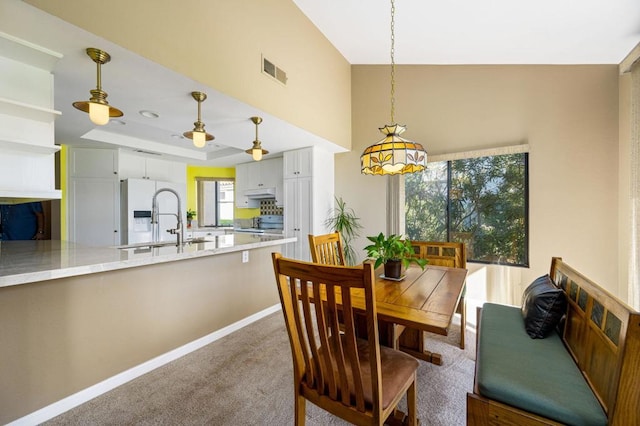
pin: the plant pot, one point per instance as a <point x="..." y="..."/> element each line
<point x="393" y="269"/>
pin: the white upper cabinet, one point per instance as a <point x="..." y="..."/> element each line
<point x="241" y="185"/>
<point x="258" y="175"/>
<point x="142" y="167"/>
<point x="93" y="163"/>
<point x="298" y="163"/>
<point x="263" y="174"/>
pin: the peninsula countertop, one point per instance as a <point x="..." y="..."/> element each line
<point x="23" y="262"/>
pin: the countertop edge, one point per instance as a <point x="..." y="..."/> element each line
<point x="112" y="265"/>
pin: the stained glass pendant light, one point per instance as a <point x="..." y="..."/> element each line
<point x="97" y="106"/>
<point x="393" y="154"/>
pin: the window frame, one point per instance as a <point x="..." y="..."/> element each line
<point x="448" y="207"/>
<point x="201" y="199"/>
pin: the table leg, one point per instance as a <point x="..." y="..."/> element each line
<point x="462" y="308"/>
<point x="398" y="418"/>
<point x="412" y="342"/>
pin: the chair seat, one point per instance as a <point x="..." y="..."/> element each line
<point x="397" y="368"/>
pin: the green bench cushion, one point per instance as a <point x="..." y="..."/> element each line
<point x="535" y="375"/>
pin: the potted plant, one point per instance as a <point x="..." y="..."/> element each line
<point x="190" y="215"/>
<point x="344" y="220"/>
<point x="394" y="253"/>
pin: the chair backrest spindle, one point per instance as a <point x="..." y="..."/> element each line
<point x="327" y="249"/>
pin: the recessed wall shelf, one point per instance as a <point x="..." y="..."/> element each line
<point x="28" y="53"/>
<point x="21" y="146"/>
<point x="8" y="196"/>
<point x="24" y="110"/>
<point x="27" y="117"/>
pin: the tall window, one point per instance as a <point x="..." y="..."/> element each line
<point x="482" y="202"/>
<point x="215" y="202"/>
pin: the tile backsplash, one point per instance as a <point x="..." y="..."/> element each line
<point x="269" y="207"/>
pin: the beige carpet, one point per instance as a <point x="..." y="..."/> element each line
<point x="246" y="379"/>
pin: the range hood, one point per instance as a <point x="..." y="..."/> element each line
<point x="261" y="193"/>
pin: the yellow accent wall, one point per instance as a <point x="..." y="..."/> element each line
<point x="213" y="172"/>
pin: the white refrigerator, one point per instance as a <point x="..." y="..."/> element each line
<point x="136" y="199"/>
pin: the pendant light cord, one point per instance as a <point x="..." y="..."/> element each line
<point x="393" y="63"/>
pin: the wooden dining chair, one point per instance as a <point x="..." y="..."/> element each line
<point x="327" y="249"/>
<point x="352" y="378"/>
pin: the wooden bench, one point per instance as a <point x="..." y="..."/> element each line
<point x="600" y="334"/>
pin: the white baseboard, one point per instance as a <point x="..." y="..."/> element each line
<point x="105" y="386"/>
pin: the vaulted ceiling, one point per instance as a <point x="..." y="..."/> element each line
<point x="479" y="32"/>
<point x="426" y="32"/>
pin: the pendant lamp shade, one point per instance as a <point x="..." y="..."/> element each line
<point x="393" y="154"/>
<point x="97" y="106"/>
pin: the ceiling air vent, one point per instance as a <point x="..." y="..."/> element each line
<point x="271" y="69"/>
<point x="141" y="151"/>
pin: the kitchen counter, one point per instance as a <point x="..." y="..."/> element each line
<point x="23" y="262"/>
<point x="76" y="321"/>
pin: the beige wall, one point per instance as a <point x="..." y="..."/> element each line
<point x="624" y="188"/>
<point x="567" y="114"/>
<point x="62" y="336"/>
<point x="220" y="44"/>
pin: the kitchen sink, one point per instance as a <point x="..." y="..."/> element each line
<point x="151" y="245"/>
<point x="146" y="245"/>
<point x="199" y="240"/>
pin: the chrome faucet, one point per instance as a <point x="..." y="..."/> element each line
<point x="178" y="231"/>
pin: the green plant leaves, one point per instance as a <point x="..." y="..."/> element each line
<point x="392" y="247"/>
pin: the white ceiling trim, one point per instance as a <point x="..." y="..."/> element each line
<point x="489" y="152"/>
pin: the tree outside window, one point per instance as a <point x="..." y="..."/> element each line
<point x="482" y="202"/>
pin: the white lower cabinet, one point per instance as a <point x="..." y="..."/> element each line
<point x="308" y="199"/>
<point x="297" y="219"/>
<point x="94" y="211"/>
<point x="93" y="197"/>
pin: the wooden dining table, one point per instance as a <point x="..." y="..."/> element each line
<point x="423" y="300"/>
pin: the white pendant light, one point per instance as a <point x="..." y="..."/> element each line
<point x="97" y="106"/>
<point x="256" y="150"/>
<point x="198" y="134"/>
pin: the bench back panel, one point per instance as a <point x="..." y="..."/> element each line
<point x="600" y="332"/>
<point x="440" y="253"/>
